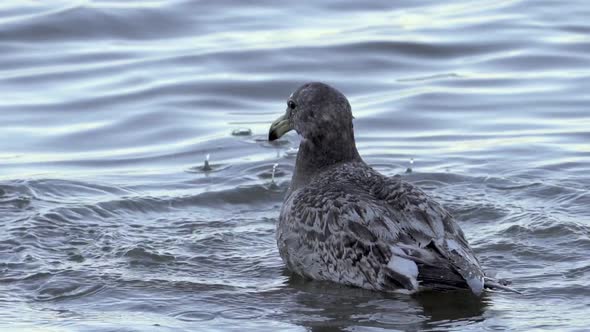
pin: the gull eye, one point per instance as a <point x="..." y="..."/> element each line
<point x="291" y="104"/>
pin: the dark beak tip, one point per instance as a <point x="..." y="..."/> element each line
<point x="272" y="135"/>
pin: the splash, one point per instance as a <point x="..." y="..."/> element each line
<point x="409" y="169"/>
<point x="206" y="166"/>
<point x="274" y="170"/>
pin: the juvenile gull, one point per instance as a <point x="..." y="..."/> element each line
<point x="343" y="221"/>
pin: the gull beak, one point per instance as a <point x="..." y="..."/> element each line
<point x="279" y="127"/>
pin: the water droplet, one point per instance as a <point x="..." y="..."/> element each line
<point x="274" y="169"/>
<point x="409" y="169"/>
<point x="206" y="166"/>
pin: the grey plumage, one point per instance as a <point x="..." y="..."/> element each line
<point x="343" y="221"/>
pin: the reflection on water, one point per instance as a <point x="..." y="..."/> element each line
<point x="323" y="306"/>
<point x="137" y="184"/>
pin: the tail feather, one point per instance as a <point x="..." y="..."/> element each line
<point x="440" y="278"/>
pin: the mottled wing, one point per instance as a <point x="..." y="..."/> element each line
<point x="360" y="228"/>
<point x="431" y="236"/>
<point x="334" y="232"/>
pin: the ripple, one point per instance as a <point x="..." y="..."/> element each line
<point x="61" y="291"/>
<point x="208" y="169"/>
<point x="548" y="228"/>
<point x="140" y="255"/>
<point x="242" y="313"/>
<point x="195" y="316"/>
<point x="92" y="21"/>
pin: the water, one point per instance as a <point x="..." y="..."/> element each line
<point x="109" y="219"/>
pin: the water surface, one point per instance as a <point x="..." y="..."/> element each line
<point x="108" y="110"/>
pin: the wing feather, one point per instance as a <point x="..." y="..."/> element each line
<point x="375" y="232"/>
